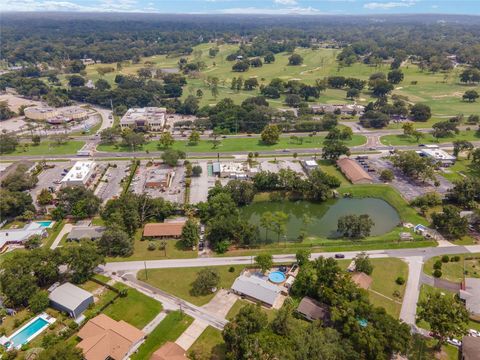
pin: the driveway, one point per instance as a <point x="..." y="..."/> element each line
<point x="408" y="312"/>
<point x="201" y="184"/>
<point x="65" y="230"/>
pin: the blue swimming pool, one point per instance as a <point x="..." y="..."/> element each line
<point x="276" y="277"/>
<point x="45" y="224"/>
<point x="34" y="328"/>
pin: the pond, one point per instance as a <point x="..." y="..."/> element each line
<point x="320" y="219"/>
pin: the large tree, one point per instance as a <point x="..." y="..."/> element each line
<point x="206" y="280"/>
<point x="271" y="134"/>
<point x="355" y="226"/>
<point x="447" y="317"/>
<point x="450" y="223"/>
<point x="190" y="234"/>
<point x="115" y="242"/>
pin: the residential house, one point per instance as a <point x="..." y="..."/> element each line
<point x="70" y="299"/>
<point x="165" y="230"/>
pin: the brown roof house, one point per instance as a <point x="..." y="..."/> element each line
<point x="353" y="171"/>
<point x="164" y="230"/>
<point x="362" y="280"/>
<point x="470" y="348"/>
<point x="104" y="338"/>
<point x="169" y="351"/>
<point x="312" y="310"/>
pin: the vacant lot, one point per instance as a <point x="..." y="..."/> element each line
<point x="236" y="144"/>
<point x="179" y="281"/>
<point x="454" y="270"/>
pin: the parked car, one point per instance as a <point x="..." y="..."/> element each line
<point x="339" y="256"/>
<point x="474" y="333"/>
<point x="454" y="342"/>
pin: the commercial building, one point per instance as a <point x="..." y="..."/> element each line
<point x="104" y="338"/>
<point x="312" y="310"/>
<point x="346" y="109"/>
<point x="165" y="230"/>
<point x="147" y="119"/>
<point x="233" y="170"/>
<point x="70" y="299"/>
<point x="19" y="236"/>
<point x="257" y="289"/>
<point x="86" y="232"/>
<point x="56" y="116"/>
<point x="80" y="174"/>
<point x="440" y="156"/>
<point x="470" y="293"/>
<point x="309" y="165"/>
<point x="41" y="113"/>
<point x="159" y="178"/>
<point x="354" y="172"/>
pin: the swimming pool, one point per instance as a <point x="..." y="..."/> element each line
<point x="45" y="224"/>
<point x="31" y="330"/>
<point x="276" y="277"/>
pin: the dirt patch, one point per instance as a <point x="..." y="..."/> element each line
<point x="14" y="102"/>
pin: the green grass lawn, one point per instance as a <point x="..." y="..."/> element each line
<point x="453" y="271"/>
<point x="236" y="144"/>
<point x="235" y="309"/>
<point x="48" y="148"/>
<point x="209" y="345"/>
<point x="136" y="308"/>
<point x="385" y="272"/>
<point x="141" y="252"/>
<point x="178" y="281"/>
<point x="460" y="169"/>
<point x="174" y="324"/>
<point x="53" y="232"/>
<point x="441" y="91"/>
<point x="468" y="135"/>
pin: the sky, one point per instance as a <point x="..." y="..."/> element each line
<point x="272" y="7"/>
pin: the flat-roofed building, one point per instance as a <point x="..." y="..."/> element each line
<point x="233" y="170"/>
<point x="43" y="113"/>
<point x="80" y="174"/>
<point x="354" y="172"/>
<point x="309" y="165"/>
<point x="164" y="230"/>
<point x="148" y="119"/>
<point x="70" y="299"/>
<point x="439" y="155"/>
<point x="159" y="178"/>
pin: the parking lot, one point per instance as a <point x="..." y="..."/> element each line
<point x="50" y="178"/>
<point x="201" y="184"/>
<point x="111" y="184"/>
<point x="410" y="189"/>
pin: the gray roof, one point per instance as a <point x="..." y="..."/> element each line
<point x="21" y="235"/>
<point x="257" y="288"/>
<point x="471" y="295"/>
<point x="69" y="295"/>
<point x="85" y="232"/>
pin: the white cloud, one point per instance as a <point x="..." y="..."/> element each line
<point x="388" y="5"/>
<point x="100" y="6"/>
<point x="270" y="11"/>
<point x="286" y="2"/>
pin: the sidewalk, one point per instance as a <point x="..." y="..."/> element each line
<point x="65" y="230"/>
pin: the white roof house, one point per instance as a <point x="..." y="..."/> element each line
<point x="79" y="174"/>
<point x="20" y="235"/>
<point x="257" y="289"/>
<point x="70" y="299"/>
<point x="471" y="294"/>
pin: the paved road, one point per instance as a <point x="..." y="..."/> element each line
<point x="424" y="253"/>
